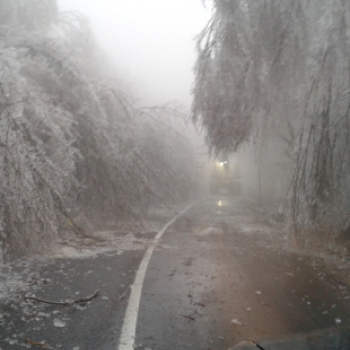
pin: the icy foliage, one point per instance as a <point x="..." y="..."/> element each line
<point x="73" y="150"/>
<point x="31" y="15"/>
<point x="277" y="71"/>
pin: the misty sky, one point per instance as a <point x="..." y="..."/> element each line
<point x="151" y="42"/>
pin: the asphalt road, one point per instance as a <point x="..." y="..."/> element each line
<point x="221" y="280"/>
<point x="215" y="279"/>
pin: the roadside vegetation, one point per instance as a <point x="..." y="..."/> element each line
<point x="276" y="75"/>
<point x="75" y="153"/>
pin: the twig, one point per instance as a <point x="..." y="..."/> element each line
<point x="189" y="317"/>
<point x="31" y="342"/>
<point x="199" y="304"/>
<point x="122" y="296"/>
<point x="65" y="303"/>
<point x="255" y="344"/>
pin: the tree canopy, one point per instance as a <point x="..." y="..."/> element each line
<point x="278" y="71"/>
<point x="74" y="151"/>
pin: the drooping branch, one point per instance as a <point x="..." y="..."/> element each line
<point x="267" y="67"/>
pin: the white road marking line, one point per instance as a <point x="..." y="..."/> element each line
<point x="127" y="337"/>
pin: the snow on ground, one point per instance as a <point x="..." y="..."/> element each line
<point x="20" y="276"/>
<point x="16" y="279"/>
<point x="10" y="281"/>
<point x="87" y="247"/>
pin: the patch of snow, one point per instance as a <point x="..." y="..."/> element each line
<point x="59" y="323"/>
<point x="80" y="307"/>
<point x="12" y="341"/>
<point x="84" y="248"/>
<point x="13" y="282"/>
<point x="67" y="251"/>
<point x="235" y="321"/>
<point x="207" y="231"/>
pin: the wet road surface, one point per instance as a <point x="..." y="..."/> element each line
<point x="215" y="279"/>
<point x="93" y="325"/>
<point x="219" y="281"/>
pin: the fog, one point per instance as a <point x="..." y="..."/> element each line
<point x="88" y="153"/>
<point x="99" y="163"/>
<point x="150" y="42"/>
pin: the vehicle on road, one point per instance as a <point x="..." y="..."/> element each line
<point x="225" y="176"/>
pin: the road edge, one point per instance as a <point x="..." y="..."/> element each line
<point x="127" y="337"/>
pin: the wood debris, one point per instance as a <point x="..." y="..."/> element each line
<point x="65" y="303"/>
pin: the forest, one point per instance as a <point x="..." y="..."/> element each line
<point x="75" y="152"/>
<point x="276" y="74"/>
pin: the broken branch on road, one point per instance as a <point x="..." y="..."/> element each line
<point x="255" y="344"/>
<point x="122" y="296"/>
<point x="65" y="303"/>
<point x="35" y="343"/>
<point x="199" y="304"/>
<point x="189" y="317"/>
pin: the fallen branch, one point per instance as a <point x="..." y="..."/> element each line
<point x="255" y="344"/>
<point x="122" y="296"/>
<point x="199" y="304"/>
<point x="31" y="342"/>
<point x="65" y="303"/>
<point x="189" y="317"/>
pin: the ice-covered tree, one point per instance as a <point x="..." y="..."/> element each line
<point x="278" y="71"/>
<point x="74" y="152"/>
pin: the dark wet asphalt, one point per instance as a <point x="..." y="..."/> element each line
<point x="214" y="285"/>
<point x="89" y="326"/>
<point x="211" y="283"/>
